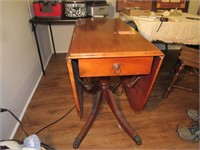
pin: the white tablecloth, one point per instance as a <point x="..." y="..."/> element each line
<point x="177" y="30"/>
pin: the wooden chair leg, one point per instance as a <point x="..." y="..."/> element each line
<point x="180" y="69"/>
<point x="186" y="88"/>
<point x="173" y="70"/>
<point x="89" y="121"/>
<point x="123" y="123"/>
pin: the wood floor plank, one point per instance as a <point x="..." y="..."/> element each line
<point x="156" y="124"/>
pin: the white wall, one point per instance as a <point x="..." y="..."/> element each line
<point x="62" y="36"/>
<point x="20" y="69"/>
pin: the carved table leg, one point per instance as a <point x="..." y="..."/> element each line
<point x="123" y="123"/>
<point x="89" y="121"/>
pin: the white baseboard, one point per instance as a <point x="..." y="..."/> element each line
<point x="62" y="52"/>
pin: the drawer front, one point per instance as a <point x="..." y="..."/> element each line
<point x="114" y="66"/>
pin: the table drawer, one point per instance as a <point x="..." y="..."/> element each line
<point x="114" y="66"/>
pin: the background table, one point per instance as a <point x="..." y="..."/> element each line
<point x="48" y="21"/>
<point x="178" y="29"/>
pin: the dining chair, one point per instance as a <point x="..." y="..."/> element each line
<point x="188" y="57"/>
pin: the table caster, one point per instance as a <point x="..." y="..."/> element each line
<point x="137" y="139"/>
<point x="76" y="143"/>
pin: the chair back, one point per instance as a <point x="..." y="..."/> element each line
<point x="189" y="56"/>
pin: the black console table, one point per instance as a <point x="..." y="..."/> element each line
<point x="48" y="21"/>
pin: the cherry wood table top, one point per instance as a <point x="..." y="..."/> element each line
<point x="103" y="38"/>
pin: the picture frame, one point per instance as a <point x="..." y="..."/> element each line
<point x="153" y="5"/>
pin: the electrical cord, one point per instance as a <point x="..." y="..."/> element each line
<point x="4" y="110"/>
<point x="43" y="144"/>
<point x="55" y="121"/>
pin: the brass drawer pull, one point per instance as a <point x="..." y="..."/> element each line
<point x="116" y="68"/>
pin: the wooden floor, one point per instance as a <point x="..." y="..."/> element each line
<point x="156" y="124"/>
